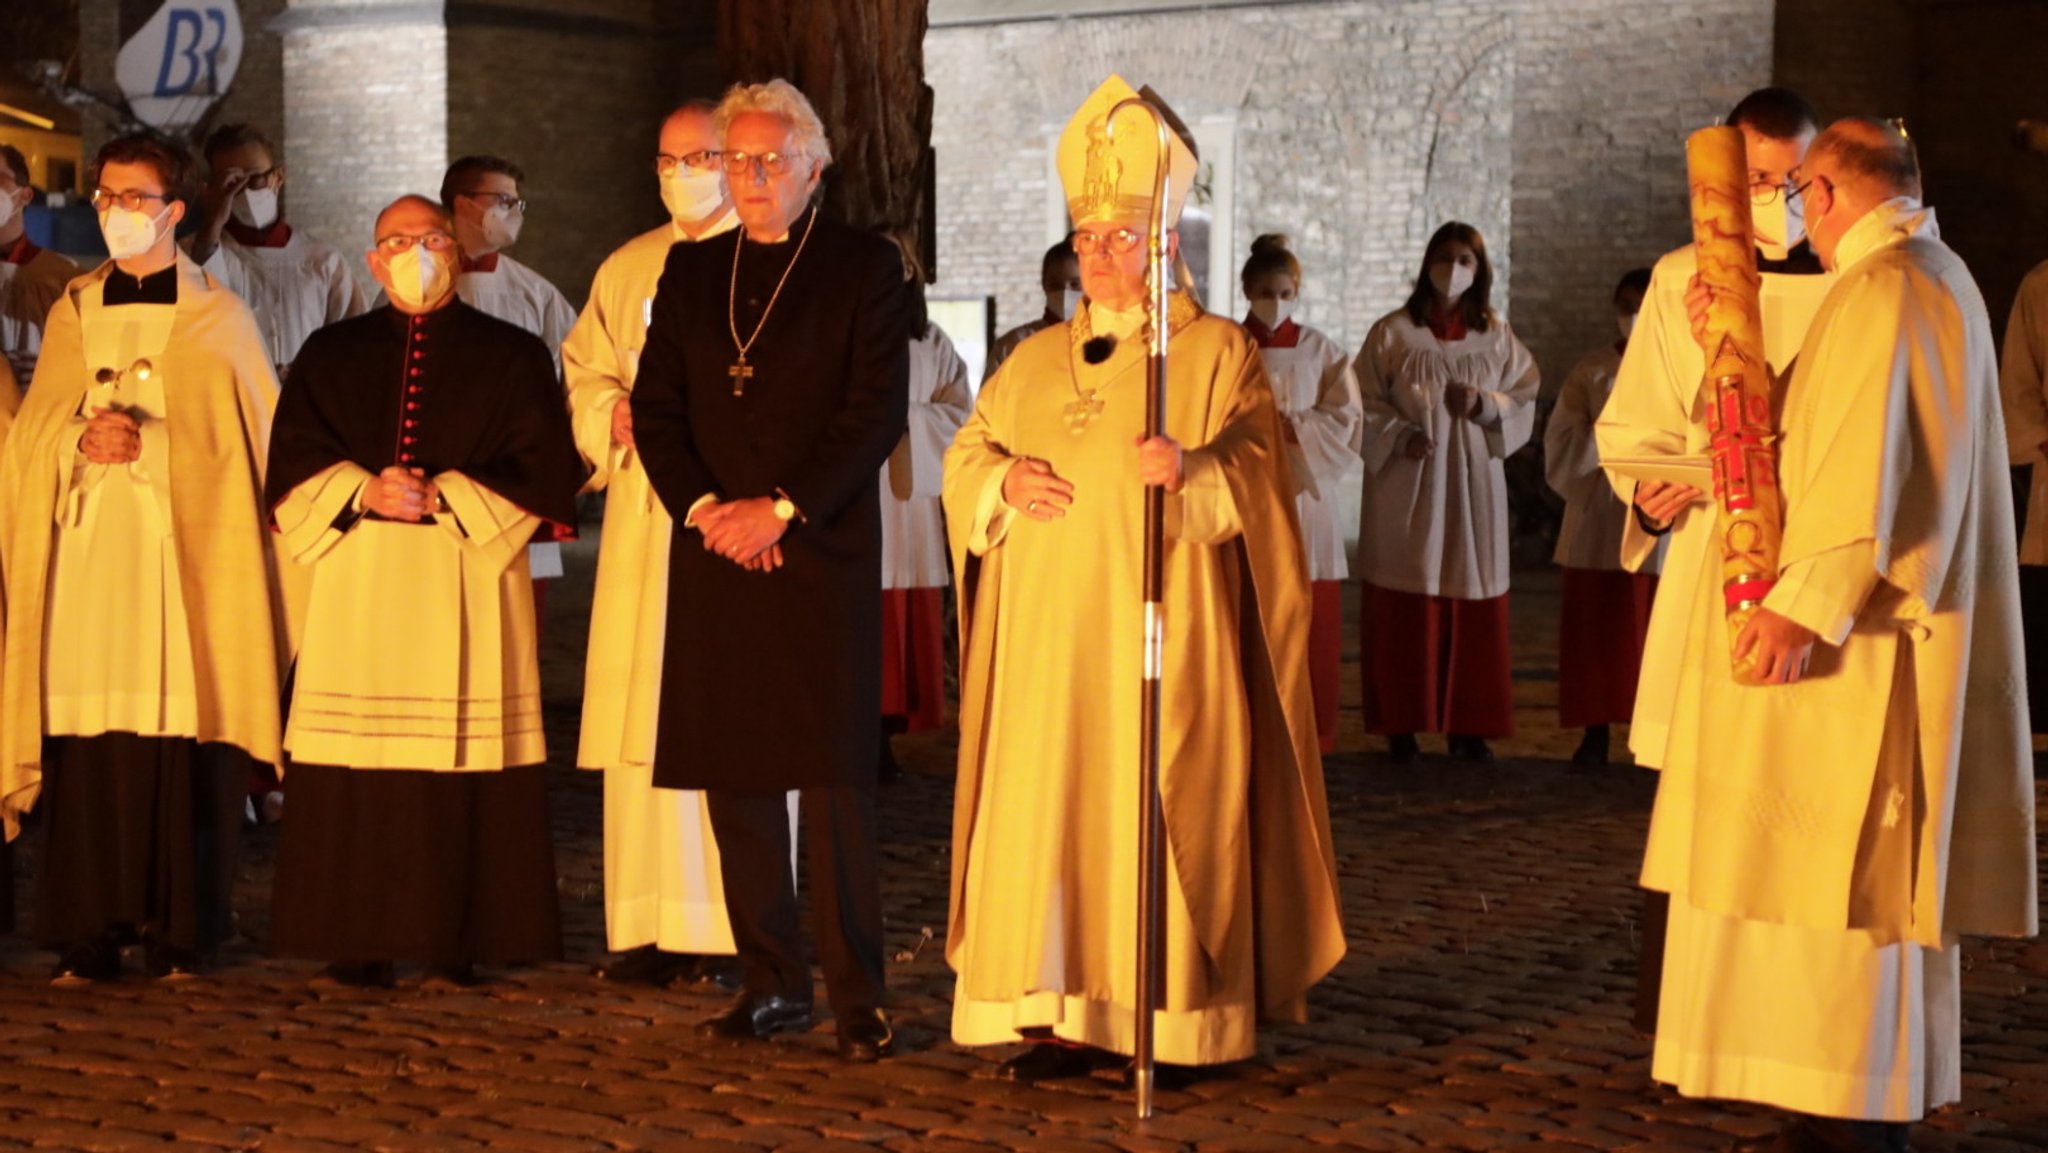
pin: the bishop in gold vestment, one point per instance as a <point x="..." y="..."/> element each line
<point x="1044" y="503"/>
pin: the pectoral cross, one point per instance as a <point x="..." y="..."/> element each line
<point x="1081" y="410"/>
<point x="741" y="372"/>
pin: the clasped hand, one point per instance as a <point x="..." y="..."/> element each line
<point x="745" y="532"/>
<point x="111" y="437"/>
<point x="400" y="493"/>
<point x="1462" y="400"/>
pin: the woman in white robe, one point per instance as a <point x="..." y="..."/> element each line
<point x="1448" y="394"/>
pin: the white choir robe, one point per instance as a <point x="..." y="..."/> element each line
<point x="662" y="884"/>
<point x="1594" y="517"/>
<point x="28" y="290"/>
<point x="294" y="288"/>
<point x="1825" y="843"/>
<point x="2023" y="388"/>
<point x="1317" y="394"/>
<point x="1656" y="409"/>
<point x="1439" y="526"/>
<point x="913" y="523"/>
<point x="516" y="294"/>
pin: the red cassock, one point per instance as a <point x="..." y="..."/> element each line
<point x="1603" y="619"/>
<point x="1436" y="664"/>
<point x="914" y="657"/>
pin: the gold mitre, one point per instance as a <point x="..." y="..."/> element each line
<point x="1111" y="178"/>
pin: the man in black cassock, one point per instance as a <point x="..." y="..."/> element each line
<point x="417" y="449"/>
<point x="766" y="429"/>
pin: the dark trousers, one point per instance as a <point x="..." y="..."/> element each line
<point x="841" y="860"/>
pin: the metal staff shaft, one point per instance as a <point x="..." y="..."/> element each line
<point x="1151" y="820"/>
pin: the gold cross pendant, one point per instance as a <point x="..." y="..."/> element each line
<point x="1083" y="409"/>
<point x="740" y="373"/>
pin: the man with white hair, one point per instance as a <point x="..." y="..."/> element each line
<point x="1827" y="836"/>
<point x="772" y="387"/>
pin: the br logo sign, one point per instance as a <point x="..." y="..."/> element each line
<point x="181" y="60"/>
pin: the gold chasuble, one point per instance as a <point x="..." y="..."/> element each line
<point x="1044" y="884"/>
<point x="217" y="392"/>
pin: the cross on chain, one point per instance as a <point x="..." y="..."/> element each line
<point x="1080" y="411"/>
<point x="741" y="373"/>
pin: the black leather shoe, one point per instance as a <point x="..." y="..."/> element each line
<point x="646" y="965"/>
<point x="1470" y="750"/>
<point x="1592" y="750"/>
<point x="751" y="1017"/>
<point x="86" y="964"/>
<point x="865" y="1036"/>
<point x="1048" y="1061"/>
<point x="1402" y="748"/>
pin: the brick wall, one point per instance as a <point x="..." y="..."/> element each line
<point x="1556" y="126"/>
<point x="365" y="115"/>
<point x="1961" y="72"/>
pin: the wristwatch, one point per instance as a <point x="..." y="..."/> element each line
<point x="785" y="508"/>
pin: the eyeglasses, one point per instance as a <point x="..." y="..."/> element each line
<point x="1119" y="242"/>
<point x="702" y="160"/>
<point x="399" y="242"/>
<point x="1764" y="192"/>
<point x="1801" y="189"/>
<point x="498" y="200"/>
<point x="261" y="179"/>
<point x="128" y="198"/>
<point x="771" y="163"/>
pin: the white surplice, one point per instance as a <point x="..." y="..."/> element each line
<point x="452" y="683"/>
<point x="1825" y="843"/>
<point x="913" y="523"/>
<point x="1317" y="395"/>
<point x="1594" y="517"/>
<point x="1439" y="526"/>
<point x="2023" y="386"/>
<point x="516" y="294"/>
<point x="662" y="883"/>
<point x="1656" y="409"/>
<point x="294" y="288"/>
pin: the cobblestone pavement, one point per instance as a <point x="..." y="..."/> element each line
<point x="1484" y="1006"/>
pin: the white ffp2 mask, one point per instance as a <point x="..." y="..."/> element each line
<point x="255" y="207"/>
<point x="130" y="231"/>
<point x="1451" y="279"/>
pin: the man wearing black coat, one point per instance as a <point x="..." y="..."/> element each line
<point x="772" y="387"/>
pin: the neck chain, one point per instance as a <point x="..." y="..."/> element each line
<point x="741" y="372"/>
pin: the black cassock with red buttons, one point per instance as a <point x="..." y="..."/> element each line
<point x="451" y="389"/>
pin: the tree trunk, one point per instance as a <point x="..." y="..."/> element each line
<point x="861" y="62"/>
